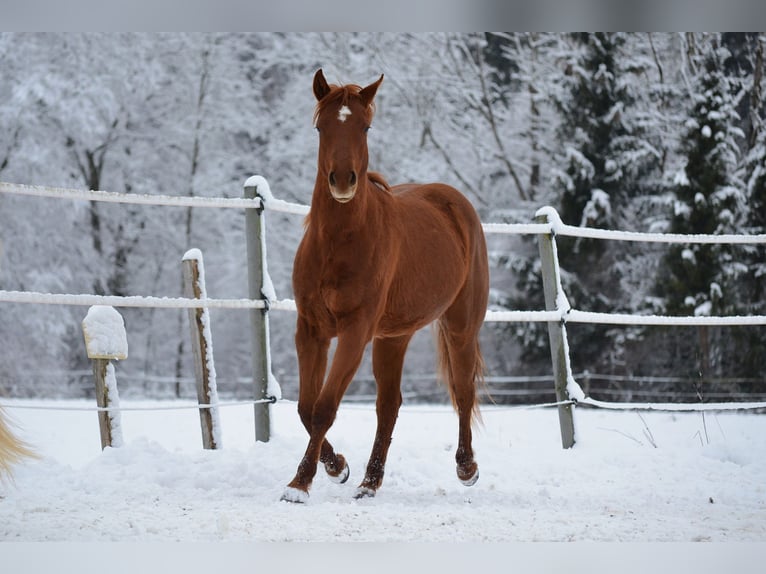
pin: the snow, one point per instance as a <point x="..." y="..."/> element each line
<point x="716" y="293"/>
<point x="702" y="482"/>
<point x="703" y="309"/>
<point x="706" y="132"/>
<point x="104" y="331"/>
<point x="597" y="210"/>
<point x="271" y="202"/>
<point x="682" y="180"/>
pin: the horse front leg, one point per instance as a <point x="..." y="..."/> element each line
<point x="312" y="349"/>
<point x="348" y="356"/>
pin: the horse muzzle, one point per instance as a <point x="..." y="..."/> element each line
<point x="343" y="196"/>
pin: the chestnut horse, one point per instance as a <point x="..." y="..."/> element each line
<point x="377" y="263"/>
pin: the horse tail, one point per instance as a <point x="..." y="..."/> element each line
<point x="445" y="372"/>
<point x="12" y="449"/>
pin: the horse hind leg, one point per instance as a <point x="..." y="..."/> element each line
<point x="462" y="366"/>
<point x="387" y="363"/>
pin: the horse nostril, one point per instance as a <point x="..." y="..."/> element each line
<point x="332" y="178"/>
<point x="352" y="179"/>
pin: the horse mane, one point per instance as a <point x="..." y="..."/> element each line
<point x="340" y="94"/>
<point x="378" y="180"/>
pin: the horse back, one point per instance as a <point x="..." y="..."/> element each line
<point x="440" y="211"/>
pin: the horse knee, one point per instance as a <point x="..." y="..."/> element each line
<point x="322" y="418"/>
<point x="305" y="412"/>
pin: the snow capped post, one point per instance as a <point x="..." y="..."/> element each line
<point x="106" y="340"/>
<point x="260" y="288"/>
<point x="202" y="350"/>
<point x="555" y="300"/>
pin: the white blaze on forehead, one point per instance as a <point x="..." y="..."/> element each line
<point x="343" y="113"/>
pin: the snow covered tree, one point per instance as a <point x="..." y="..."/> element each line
<point x="606" y="153"/>
<point x="752" y="287"/>
<point x="699" y="279"/>
<point x="755" y="177"/>
<point x="591" y="121"/>
<point x="709" y="198"/>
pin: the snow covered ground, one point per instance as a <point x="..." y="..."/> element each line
<point x="704" y="481"/>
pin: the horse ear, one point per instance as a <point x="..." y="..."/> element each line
<point x="368" y="94"/>
<point x="321" y="88"/>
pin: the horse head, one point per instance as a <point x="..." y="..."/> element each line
<point x="343" y="116"/>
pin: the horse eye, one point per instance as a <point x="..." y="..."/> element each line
<point x="367" y="128"/>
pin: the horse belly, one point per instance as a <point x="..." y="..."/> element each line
<point x="429" y="278"/>
<point x="435" y="257"/>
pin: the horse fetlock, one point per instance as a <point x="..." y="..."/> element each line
<point x="337" y="470"/>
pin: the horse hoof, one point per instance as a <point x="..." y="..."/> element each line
<point x="364" y="492"/>
<point x="295" y="495"/>
<point x="468" y="479"/>
<point x="342" y="476"/>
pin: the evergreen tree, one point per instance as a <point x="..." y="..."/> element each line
<point x="709" y="198"/>
<point x="699" y="279"/>
<point x="591" y="114"/>
<point x="605" y="158"/>
<point x="753" y="285"/>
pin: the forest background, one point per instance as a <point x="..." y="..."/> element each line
<point x="659" y="132"/>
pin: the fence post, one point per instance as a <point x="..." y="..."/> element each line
<point x="202" y="349"/>
<point x="259" y="318"/>
<point x="556" y="331"/>
<point x="106" y="340"/>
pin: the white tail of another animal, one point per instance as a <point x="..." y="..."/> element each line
<point x="12" y="449"/>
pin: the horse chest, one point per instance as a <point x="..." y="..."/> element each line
<point x="343" y="275"/>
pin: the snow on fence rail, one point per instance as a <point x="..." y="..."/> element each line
<point x="558" y="312"/>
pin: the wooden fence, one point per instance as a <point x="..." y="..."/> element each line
<point x="262" y="300"/>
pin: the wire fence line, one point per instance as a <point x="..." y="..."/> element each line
<point x="146" y="408"/>
<point x="508" y="380"/>
<point x="588" y="401"/>
<point x="424" y="387"/>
